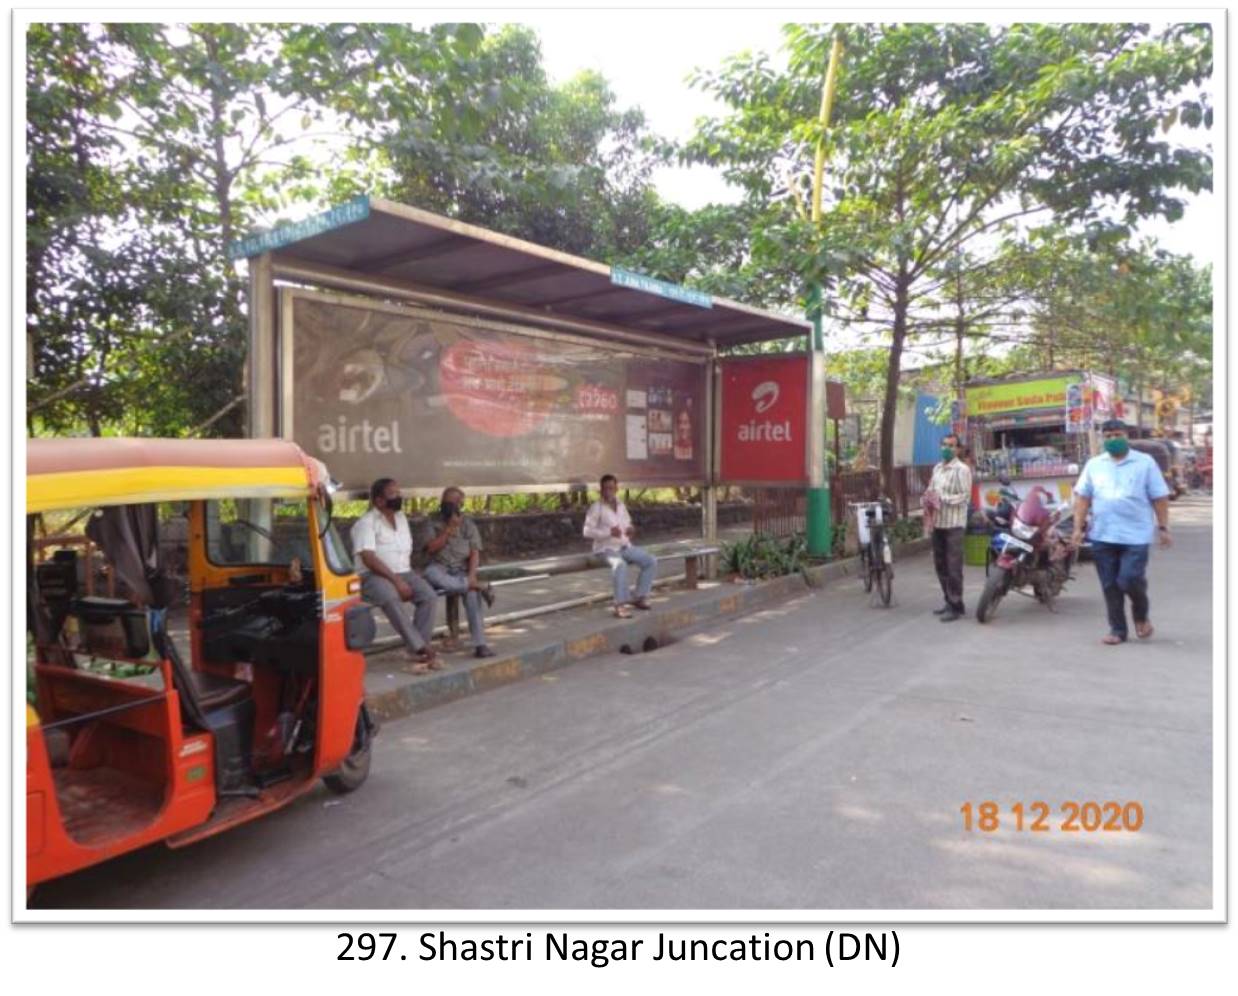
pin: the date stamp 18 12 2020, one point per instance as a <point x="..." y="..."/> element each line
<point x="1040" y="817"/>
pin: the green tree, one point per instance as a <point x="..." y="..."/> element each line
<point x="152" y="147"/>
<point x="948" y="141"/>
<point x="155" y="146"/>
<point x="497" y="144"/>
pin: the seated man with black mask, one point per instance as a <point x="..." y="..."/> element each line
<point x="453" y="544"/>
<point x="382" y="548"/>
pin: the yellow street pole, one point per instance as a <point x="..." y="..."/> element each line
<point x="827" y="106"/>
<point x="820" y="526"/>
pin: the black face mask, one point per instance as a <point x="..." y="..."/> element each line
<point x="395" y="504"/>
<point x="448" y="510"/>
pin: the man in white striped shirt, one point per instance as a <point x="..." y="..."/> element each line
<point x="609" y="525"/>
<point x="951" y="484"/>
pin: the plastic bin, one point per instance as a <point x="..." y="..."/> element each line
<point x="975" y="547"/>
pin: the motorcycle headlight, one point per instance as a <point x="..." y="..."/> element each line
<point x="1022" y="530"/>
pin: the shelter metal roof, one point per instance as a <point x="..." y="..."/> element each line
<point x="386" y="240"/>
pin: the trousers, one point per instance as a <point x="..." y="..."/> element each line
<point x="1122" y="569"/>
<point x="379" y="591"/>
<point x="455" y="581"/>
<point x="948" y="561"/>
<point x="618" y="561"/>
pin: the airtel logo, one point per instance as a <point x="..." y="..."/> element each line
<point x="765" y="396"/>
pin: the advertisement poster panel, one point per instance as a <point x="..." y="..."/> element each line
<point x="764" y="422"/>
<point x="1078" y="409"/>
<point x="381" y="390"/>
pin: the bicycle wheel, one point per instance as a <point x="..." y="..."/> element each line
<point x="884" y="571"/>
<point x="885" y="584"/>
<point x="866" y="570"/>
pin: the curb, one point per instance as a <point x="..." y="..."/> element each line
<point x="622" y="636"/>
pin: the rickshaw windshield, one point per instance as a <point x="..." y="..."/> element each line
<point x="269" y="532"/>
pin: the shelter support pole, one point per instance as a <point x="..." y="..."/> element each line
<point x="261" y="387"/>
<point x="709" y="493"/>
<point x="820" y="528"/>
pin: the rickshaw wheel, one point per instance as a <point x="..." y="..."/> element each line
<point x="352" y="774"/>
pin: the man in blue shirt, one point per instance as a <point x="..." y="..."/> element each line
<point x="1129" y="501"/>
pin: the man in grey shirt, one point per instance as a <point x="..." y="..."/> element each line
<point x="453" y="544"/>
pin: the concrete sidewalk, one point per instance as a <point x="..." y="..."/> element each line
<point x="529" y="647"/>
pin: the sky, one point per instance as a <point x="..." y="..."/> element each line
<point x="647" y="59"/>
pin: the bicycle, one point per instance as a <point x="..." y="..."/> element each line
<point x="876" y="556"/>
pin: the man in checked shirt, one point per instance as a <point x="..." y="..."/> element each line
<point x="951" y="484"/>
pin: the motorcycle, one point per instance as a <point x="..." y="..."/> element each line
<point x="1007" y="499"/>
<point x="1034" y="553"/>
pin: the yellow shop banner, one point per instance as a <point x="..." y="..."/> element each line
<point x="994" y="399"/>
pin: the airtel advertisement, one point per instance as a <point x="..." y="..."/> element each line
<point x="431" y="400"/>
<point x="764" y="421"/>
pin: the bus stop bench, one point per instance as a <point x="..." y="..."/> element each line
<point x="524" y="571"/>
<point x="520" y="572"/>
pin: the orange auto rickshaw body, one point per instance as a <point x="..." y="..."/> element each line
<point x="265" y="694"/>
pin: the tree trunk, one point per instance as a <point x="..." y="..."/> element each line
<point x="889" y="408"/>
<point x="960" y="329"/>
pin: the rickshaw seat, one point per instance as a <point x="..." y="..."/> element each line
<point x="215" y="692"/>
<point x="205" y="692"/>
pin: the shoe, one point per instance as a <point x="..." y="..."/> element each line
<point x="487" y="594"/>
<point x="951" y="615"/>
<point x="942" y="611"/>
<point x="642" y="604"/>
<point x="483" y="651"/>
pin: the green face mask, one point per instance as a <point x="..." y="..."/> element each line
<point x="947" y="453"/>
<point x="1117" y="447"/>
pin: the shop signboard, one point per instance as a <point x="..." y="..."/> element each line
<point x="996" y="399"/>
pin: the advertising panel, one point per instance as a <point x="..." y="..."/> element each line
<point x="430" y="399"/>
<point x="764" y="421"/>
<point x="1078" y="409"/>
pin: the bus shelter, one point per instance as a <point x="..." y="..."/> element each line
<point x="391" y="341"/>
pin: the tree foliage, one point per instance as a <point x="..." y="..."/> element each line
<point x="152" y="147"/>
<point x="948" y="143"/>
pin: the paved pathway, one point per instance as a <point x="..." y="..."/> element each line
<point x="815" y="755"/>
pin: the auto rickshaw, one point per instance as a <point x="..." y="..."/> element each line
<point x="161" y="718"/>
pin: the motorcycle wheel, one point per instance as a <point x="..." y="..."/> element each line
<point x="995" y="589"/>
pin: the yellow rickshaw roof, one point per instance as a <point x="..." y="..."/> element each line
<point x="86" y="472"/>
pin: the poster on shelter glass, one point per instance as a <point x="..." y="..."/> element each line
<point x="381" y="390"/>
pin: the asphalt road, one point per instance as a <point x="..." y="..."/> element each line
<point x="813" y="756"/>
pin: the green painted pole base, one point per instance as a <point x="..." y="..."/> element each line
<point x="820" y="529"/>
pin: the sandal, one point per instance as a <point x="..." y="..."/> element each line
<point x="1112" y="640"/>
<point x="622" y="612"/>
<point x="1144" y="630"/>
<point x="643" y="604"/>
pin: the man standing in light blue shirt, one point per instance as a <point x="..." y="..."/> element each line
<point x="1129" y="501"/>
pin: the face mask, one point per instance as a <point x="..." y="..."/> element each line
<point x="1117" y="447"/>
<point x="448" y="510"/>
<point x="947" y="453"/>
<point x="395" y="504"/>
